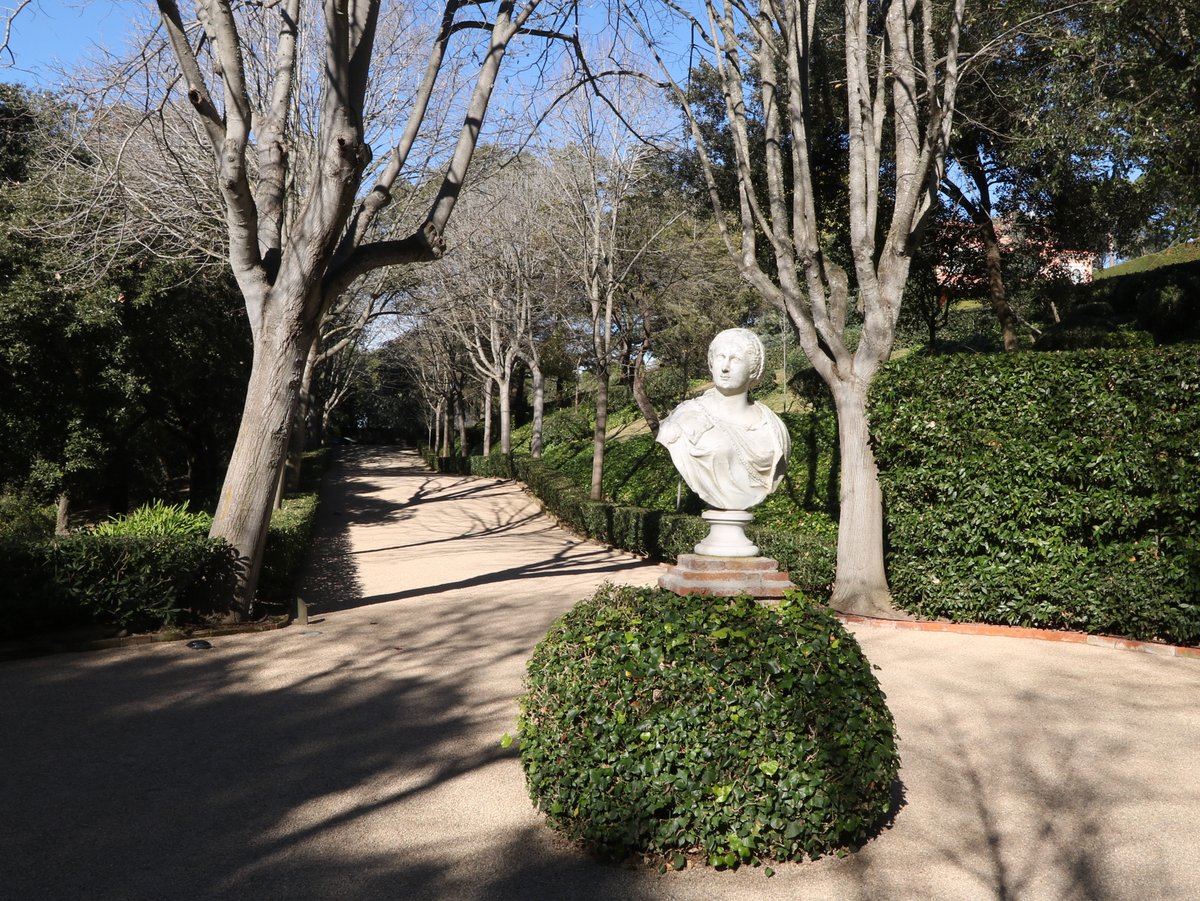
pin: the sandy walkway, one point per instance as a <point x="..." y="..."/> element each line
<point x="358" y="757"/>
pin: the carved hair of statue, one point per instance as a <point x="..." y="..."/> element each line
<point x="751" y="345"/>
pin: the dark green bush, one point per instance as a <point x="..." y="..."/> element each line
<point x="288" y="542"/>
<point x="1163" y="300"/>
<point x="719" y="728"/>
<point x="133" y="582"/>
<point x="1051" y="490"/>
<point x="23" y="517"/>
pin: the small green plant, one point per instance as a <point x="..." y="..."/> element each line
<point x="709" y="728"/>
<point x="156" y="520"/>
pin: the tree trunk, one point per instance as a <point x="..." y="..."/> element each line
<point x="539" y="412"/>
<point x="298" y="439"/>
<point x="62" y="520"/>
<point x="996" y="290"/>
<point x="861" y="586"/>
<point x="505" y="393"/>
<point x="445" y="423"/>
<point x="642" y="398"/>
<point x="487" y="417"/>
<point x="460" y="419"/>
<point x="438" y="432"/>
<point x="600" y="435"/>
<point x="244" y="509"/>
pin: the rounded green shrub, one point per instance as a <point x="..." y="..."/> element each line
<point x="714" y="728"/>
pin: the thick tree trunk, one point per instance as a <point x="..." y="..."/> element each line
<point x="539" y="412"/>
<point x="298" y="439"/>
<point x="600" y="435"/>
<point x="996" y="290"/>
<point x="460" y="419"/>
<point x="244" y="509"/>
<point x="445" y="424"/>
<point x="861" y="586"/>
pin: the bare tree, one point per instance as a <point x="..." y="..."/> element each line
<point x="603" y="165"/>
<point x="490" y="283"/>
<point x="901" y="70"/>
<point x="8" y="15"/>
<point x="288" y="144"/>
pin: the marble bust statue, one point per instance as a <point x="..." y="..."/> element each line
<point x="730" y="450"/>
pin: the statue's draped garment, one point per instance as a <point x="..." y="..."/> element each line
<point x="732" y="466"/>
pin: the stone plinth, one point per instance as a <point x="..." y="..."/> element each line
<point x="695" y="574"/>
<point x="727" y="534"/>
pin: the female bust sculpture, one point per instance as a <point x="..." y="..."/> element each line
<point x="730" y="450"/>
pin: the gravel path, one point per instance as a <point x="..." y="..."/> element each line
<point x="358" y="756"/>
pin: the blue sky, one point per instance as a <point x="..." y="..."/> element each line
<point x="48" y="32"/>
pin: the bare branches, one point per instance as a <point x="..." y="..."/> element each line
<point x="6" y="23"/>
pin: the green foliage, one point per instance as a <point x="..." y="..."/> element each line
<point x="288" y="541"/>
<point x="719" y="728"/>
<point x="155" y="520"/>
<point x="1161" y="300"/>
<point x="23" y="517"/>
<point x="133" y="582"/>
<point x="1051" y="490"/>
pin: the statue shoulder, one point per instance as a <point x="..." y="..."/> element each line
<point x="688" y="420"/>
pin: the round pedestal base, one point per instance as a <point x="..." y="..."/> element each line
<point x="726" y="535"/>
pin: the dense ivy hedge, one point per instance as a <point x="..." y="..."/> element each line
<point x="727" y="730"/>
<point x="808" y="558"/>
<point x="1057" y="490"/>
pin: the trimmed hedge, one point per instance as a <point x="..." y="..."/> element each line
<point x="288" y="541"/>
<point x="728" y="731"/>
<point x="1163" y="300"/>
<point x="1056" y="490"/>
<point x="155" y="567"/>
<point x="136" y="583"/>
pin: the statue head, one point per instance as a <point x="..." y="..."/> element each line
<point x="736" y="359"/>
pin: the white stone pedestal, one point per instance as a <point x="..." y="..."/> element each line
<point x="726" y="534"/>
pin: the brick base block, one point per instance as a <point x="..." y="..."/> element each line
<point x="723" y="577"/>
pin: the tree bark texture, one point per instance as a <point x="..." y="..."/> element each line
<point x="860" y="586"/>
<point x="642" y="398"/>
<point x="487" y="417"/>
<point x="996" y="290"/>
<point x="599" y="436"/>
<point x="247" y="497"/>
<point x="539" y="412"/>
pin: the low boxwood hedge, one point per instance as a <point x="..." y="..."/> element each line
<point x="724" y="730"/>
